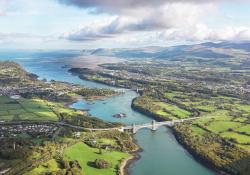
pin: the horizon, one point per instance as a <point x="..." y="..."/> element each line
<point x="114" y="48"/>
<point x="84" y="24"/>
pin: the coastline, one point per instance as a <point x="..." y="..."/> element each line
<point x="96" y="81"/>
<point x="130" y="160"/>
<point x="186" y="147"/>
<point x="196" y="156"/>
<point x="125" y="164"/>
<point x="145" y="112"/>
<point x="76" y="98"/>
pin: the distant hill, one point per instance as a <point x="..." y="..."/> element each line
<point x="227" y="45"/>
<point x="204" y="50"/>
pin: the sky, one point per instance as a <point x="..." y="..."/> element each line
<point x="88" y="24"/>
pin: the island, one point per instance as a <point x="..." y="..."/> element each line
<point x="120" y="115"/>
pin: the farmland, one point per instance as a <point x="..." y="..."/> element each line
<point x="161" y="110"/>
<point x="173" y="89"/>
<point x="85" y="154"/>
<point x="234" y="131"/>
<point x="24" y="97"/>
<point x="32" y="109"/>
<point x="226" y="116"/>
<point x="109" y="146"/>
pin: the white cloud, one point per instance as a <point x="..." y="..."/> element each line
<point x="244" y="34"/>
<point x="120" y="6"/>
<point x="201" y="32"/>
<point x="125" y="21"/>
<point x="143" y="19"/>
<point x="175" y="20"/>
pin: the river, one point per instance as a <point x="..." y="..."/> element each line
<point x="161" y="155"/>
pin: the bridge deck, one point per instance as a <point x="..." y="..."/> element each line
<point x="153" y="125"/>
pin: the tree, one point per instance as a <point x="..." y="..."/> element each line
<point x="102" y="164"/>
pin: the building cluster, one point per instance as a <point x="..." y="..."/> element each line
<point x="7" y="130"/>
<point x="10" y="91"/>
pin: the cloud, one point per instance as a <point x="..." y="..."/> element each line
<point x="146" y="19"/>
<point x="244" y="34"/>
<point x="174" y="19"/>
<point x="109" y="29"/>
<point x="111" y="5"/>
<point x="116" y="6"/>
<point x="201" y="32"/>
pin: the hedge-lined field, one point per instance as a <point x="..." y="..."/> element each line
<point x="31" y="109"/>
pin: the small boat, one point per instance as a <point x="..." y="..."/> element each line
<point x="120" y="115"/>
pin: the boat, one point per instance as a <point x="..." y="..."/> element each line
<point x="120" y="115"/>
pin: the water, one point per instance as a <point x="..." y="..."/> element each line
<point x="162" y="154"/>
<point x="105" y="109"/>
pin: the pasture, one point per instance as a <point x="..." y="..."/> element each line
<point x="85" y="154"/>
<point x="235" y="129"/>
<point x="32" y="109"/>
<point x="172" y="110"/>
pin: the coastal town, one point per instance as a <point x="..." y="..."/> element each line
<point x="29" y="111"/>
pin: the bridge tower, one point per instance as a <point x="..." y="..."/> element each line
<point x="133" y="129"/>
<point x="153" y="126"/>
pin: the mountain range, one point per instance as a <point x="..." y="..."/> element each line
<point x="203" y="50"/>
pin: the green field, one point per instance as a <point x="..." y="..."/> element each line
<point x="219" y="115"/>
<point x="165" y="111"/>
<point x="236" y="129"/>
<point x="172" y="110"/>
<point x="84" y="154"/>
<point x="245" y="129"/>
<point x="225" y="116"/>
<point x="244" y="107"/>
<point x="222" y="126"/>
<point x="50" y="166"/>
<point x="25" y="109"/>
<point x="205" y="103"/>
<point x="240" y="138"/>
<point x="197" y="130"/>
<point x="31" y="109"/>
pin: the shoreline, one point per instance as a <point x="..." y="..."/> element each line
<point x="145" y="112"/>
<point x="124" y="163"/>
<point x="124" y="167"/>
<point x="130" y="160"/>
<point x="196" y="157"/>
<point x="96" y="81"/>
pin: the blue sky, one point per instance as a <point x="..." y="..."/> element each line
<point x="80" y="24"/>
